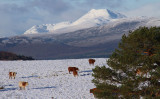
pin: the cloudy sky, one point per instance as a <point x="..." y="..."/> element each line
<point x="16" y="16"/>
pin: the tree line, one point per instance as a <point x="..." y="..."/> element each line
<point x="134" y="67"/>
<point x="11" y="56"/>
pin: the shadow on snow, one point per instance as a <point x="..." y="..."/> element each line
<point x="8" y="85"/>
<point x="44" y="87"/>
<point x="7" y="89"/>
<point x="89" y="72"/>
<point x="86" y="71"/>
<point x="30" y="76"/>
<point x="86" y="74"/>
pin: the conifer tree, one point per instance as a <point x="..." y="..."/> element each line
<point x="134" y="67"/>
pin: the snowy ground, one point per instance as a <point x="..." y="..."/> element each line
<point x="47" y="79"/>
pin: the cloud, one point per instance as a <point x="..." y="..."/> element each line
<point x="53" y="6"/>
<point x="16" y="18"/>
<point x="11" y="18"/>
<point x="107" y="3"/>
<point x="151" y="10"/>
<point x="99" y="3"/>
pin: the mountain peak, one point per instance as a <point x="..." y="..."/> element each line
<point x="95" y="17"/>
<point x="98" y="16"/>
<point x="97" y="13"/>
<point x="107" y="13"/>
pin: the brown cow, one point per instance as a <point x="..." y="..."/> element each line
<point x="22" y="84"/>
<point x="95" y="90"/>
<point x="75" y="73"/>
<point x="91" y="61"/>
<point x="12" y="74"/>
<point x="72" y="68"/>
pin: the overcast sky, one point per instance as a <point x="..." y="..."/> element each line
<point x="16" y="16"/>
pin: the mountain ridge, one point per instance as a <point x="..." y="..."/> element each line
<point x="98" y="41"/>
<point x="91" y="19"/>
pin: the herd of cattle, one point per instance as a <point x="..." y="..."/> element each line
<point x="23" y="84"/>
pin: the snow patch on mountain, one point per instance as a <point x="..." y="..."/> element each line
<point x="45" y="28"/>
<point x="37" y="29"/>
<point x="153" y="22"/>
<point x="91" y="19"/>
<point x="98" y="16"/>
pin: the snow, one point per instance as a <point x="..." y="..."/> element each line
<point x="37" y="29"/>
<point x="48" y="78"/>
<point x="46" y="28"/>
<point x="91" y="19"/>
<point x="113" y="30"/>
<point x="94" y="18"/>
<point x="102" y="15"/>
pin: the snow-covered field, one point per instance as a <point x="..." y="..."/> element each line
<point x="47" y="79"/>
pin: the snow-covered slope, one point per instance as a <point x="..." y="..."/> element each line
<point x="100" y="17"/>
<point x="47" y="28"/>
<point x="97" y="41"/>
<point x="47" y="79"/>
<point x="91" y="19"/>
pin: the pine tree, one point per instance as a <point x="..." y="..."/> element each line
<point x="134" y="67"/>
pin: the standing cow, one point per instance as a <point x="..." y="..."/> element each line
<point x="22" y="85"/>
<point x="74" y="70"/>
<point x="70" y="69"/>
<point x="12" y="74"/>
<point x="91" y="61"/>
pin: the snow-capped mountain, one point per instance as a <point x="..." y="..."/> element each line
<point x="91" y="19"/>
<point x="53" y="41"/>
<point x="97" y="17"/>
<point x="97" y="41"/>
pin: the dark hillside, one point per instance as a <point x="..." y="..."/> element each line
<point x="11" y="56"/>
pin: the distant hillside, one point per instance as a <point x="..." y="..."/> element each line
<point x="97" y="42"/>
<point x="95" y="35"/>
<point x="12" y="56"/>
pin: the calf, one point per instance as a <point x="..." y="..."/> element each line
<point x="12" y="74"/>
<point x="22" y="84"/>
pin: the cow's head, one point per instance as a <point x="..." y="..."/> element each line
<point x="77" y="69"/>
